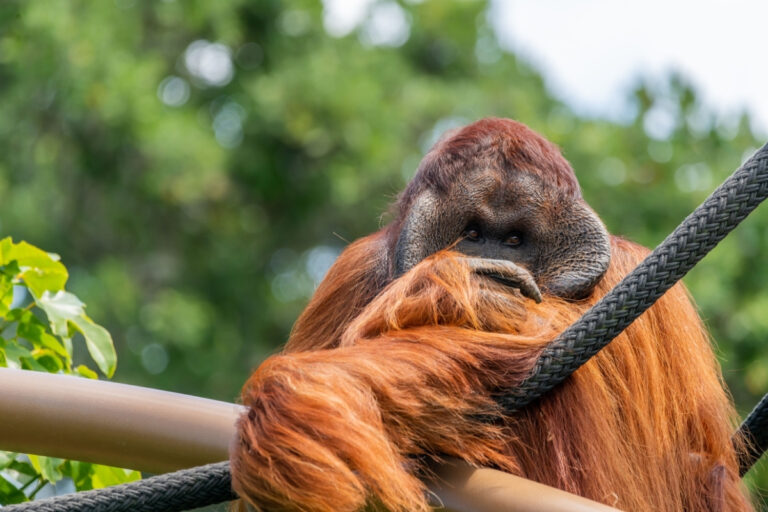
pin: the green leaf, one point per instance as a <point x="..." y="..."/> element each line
<point x="9" y="494"/>
<point x="80" y="473"/>
<point x="48" y="359"/>
<point x="32" y="329"/>
<point x="14" y="353"/>
<point x="43" y="280"/>
<point x="30" y="363"/>
<point x="86" y="372"/>
<point x="25" y="468"/>
<point x="5" y="304"/>
<point x="6" y="246"/>
<point x="60" y="307"/>
<point x="66" y="313"/>
<point x="40" y="271"/>
<point x="10" y="270"/>
<point x="48" y="467"/>
<point x="6" y="294"/>
<point x="99" y="343"/>
<point x="106" y="476"/>
<point x="67" y="341"/>
<point x="17" y="315"/>
<point x="6" y="458"/>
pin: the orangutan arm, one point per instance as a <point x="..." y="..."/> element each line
<point x="329" y="430"/>
<point x="332" y="429"/>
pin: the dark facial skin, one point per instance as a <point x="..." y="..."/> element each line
<point x="514" y="228"/>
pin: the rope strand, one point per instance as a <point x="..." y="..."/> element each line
<point x="171" y="492"/>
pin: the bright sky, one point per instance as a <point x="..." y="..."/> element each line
<point x="590" y="51"/>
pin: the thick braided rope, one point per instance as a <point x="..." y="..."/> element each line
<point x="754" y="430"/>
<point x="720" y="213"/>
<point x="181" y="490"/>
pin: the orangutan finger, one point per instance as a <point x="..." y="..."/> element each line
<point x="508" y="274"/>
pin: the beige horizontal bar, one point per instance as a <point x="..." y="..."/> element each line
<point x="158" y="431"/>
<point x="468" y="489"/>
<point x="110" y="423"/>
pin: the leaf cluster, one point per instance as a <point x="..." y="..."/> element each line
<point x="38" y="321"/>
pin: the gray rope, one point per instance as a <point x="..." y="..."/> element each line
<point x="752" y="436"/>
<point x="738" y="196"/>
<point x="720" y="213"/>
<point x="181" y="490"/>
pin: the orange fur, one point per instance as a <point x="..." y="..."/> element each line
<point x="349" y="416"/>
<point x="354" y="279"/>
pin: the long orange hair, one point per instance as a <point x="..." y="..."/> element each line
<point x="645" y="425"/>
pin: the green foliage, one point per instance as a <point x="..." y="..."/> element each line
<point x="198" y="215"/>
<point x="26" y="342"/>
<point x="36" y="334"/>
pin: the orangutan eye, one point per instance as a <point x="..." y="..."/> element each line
<point x="472" y="235"/>
<point x="514" y="240"/>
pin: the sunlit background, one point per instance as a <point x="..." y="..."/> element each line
<point x="199" y="165"/>
<point x="591" y="53"/>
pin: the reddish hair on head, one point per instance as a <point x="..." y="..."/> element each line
<point x="509" y="145"/>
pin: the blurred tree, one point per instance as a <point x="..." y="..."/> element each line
<point x="202" y="163"/>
